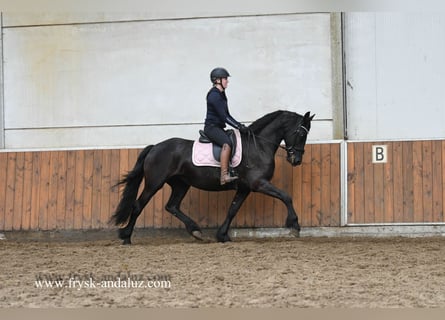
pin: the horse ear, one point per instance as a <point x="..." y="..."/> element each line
<point x="307" y="115"/>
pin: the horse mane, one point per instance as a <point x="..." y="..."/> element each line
<point x="259" y="124"/>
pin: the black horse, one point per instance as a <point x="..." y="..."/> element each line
<point x="170" y="162"/>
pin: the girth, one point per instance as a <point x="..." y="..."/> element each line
<point x="216" y="148"/>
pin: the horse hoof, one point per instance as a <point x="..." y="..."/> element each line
<point x="197" y="235"/>
<point x="122" y="234"/>
<point x="224" y="238"/>
<point x="126" y="242"/>
<point x="295" y="233"/>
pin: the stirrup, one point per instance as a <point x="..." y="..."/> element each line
<point x="226" y="178"/>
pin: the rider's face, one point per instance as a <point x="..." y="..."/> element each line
<point x="224" y="82"/>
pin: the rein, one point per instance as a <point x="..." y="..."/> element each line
<point x="279" y="144"/>
<point x="252" y="136"/>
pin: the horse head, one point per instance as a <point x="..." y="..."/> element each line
<point x="295" y="139"/>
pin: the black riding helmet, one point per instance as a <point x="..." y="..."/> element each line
<point x="218" y="73"/>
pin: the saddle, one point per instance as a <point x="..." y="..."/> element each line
<point x="206" y="153"/>
<point x="216" y="149"/>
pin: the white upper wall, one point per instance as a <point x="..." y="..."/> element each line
<point x="395" y="75"/>
<point x="83" y="11"/>
<point x="139" y="82"/>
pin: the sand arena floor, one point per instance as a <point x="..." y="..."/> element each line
<point x="182" y="272"/>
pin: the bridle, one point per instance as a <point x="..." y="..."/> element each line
<point x="290" y="150"/>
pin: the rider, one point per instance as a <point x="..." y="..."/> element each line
<point x="217" y="117"/>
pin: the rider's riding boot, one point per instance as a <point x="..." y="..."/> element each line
<point x="225" y="157"/>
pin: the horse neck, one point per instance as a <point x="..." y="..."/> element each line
<point x="272" y="134"/>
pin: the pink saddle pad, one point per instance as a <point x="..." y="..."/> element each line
<point x="202" y="154"/>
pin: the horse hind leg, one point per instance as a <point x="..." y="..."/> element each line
<point x="126" y="232"/>
<point x="179" y="190"/>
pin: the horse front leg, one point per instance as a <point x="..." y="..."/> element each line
<point x="240" y="196"/>
<point x="269" y="189"/>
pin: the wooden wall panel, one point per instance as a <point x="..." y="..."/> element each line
<point x="70" y="189"/>
<point x="16" y="206"/>
<point x="27" y="192"/>
<point x="3" y="174"/>
<point x="335" y="185"/>
<point x="437" y="192"/>
<point x="306" y="193"/>
<point x="409" y="188"/>
<point x="403" y="190"/>
<point x="388" y="190"/>
<point x="78" y="190"/>
<point x="440" y="215"/>
<point x="35" y="191"/>
<point x="73" y="189"/>
<point x="10" y="189"/>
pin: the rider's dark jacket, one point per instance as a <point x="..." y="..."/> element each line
<point x="217" y="110"/>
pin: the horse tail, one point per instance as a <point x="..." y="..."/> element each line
<point x="132" y="180"/>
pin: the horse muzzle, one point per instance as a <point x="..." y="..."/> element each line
<point x="294" y="160"/>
